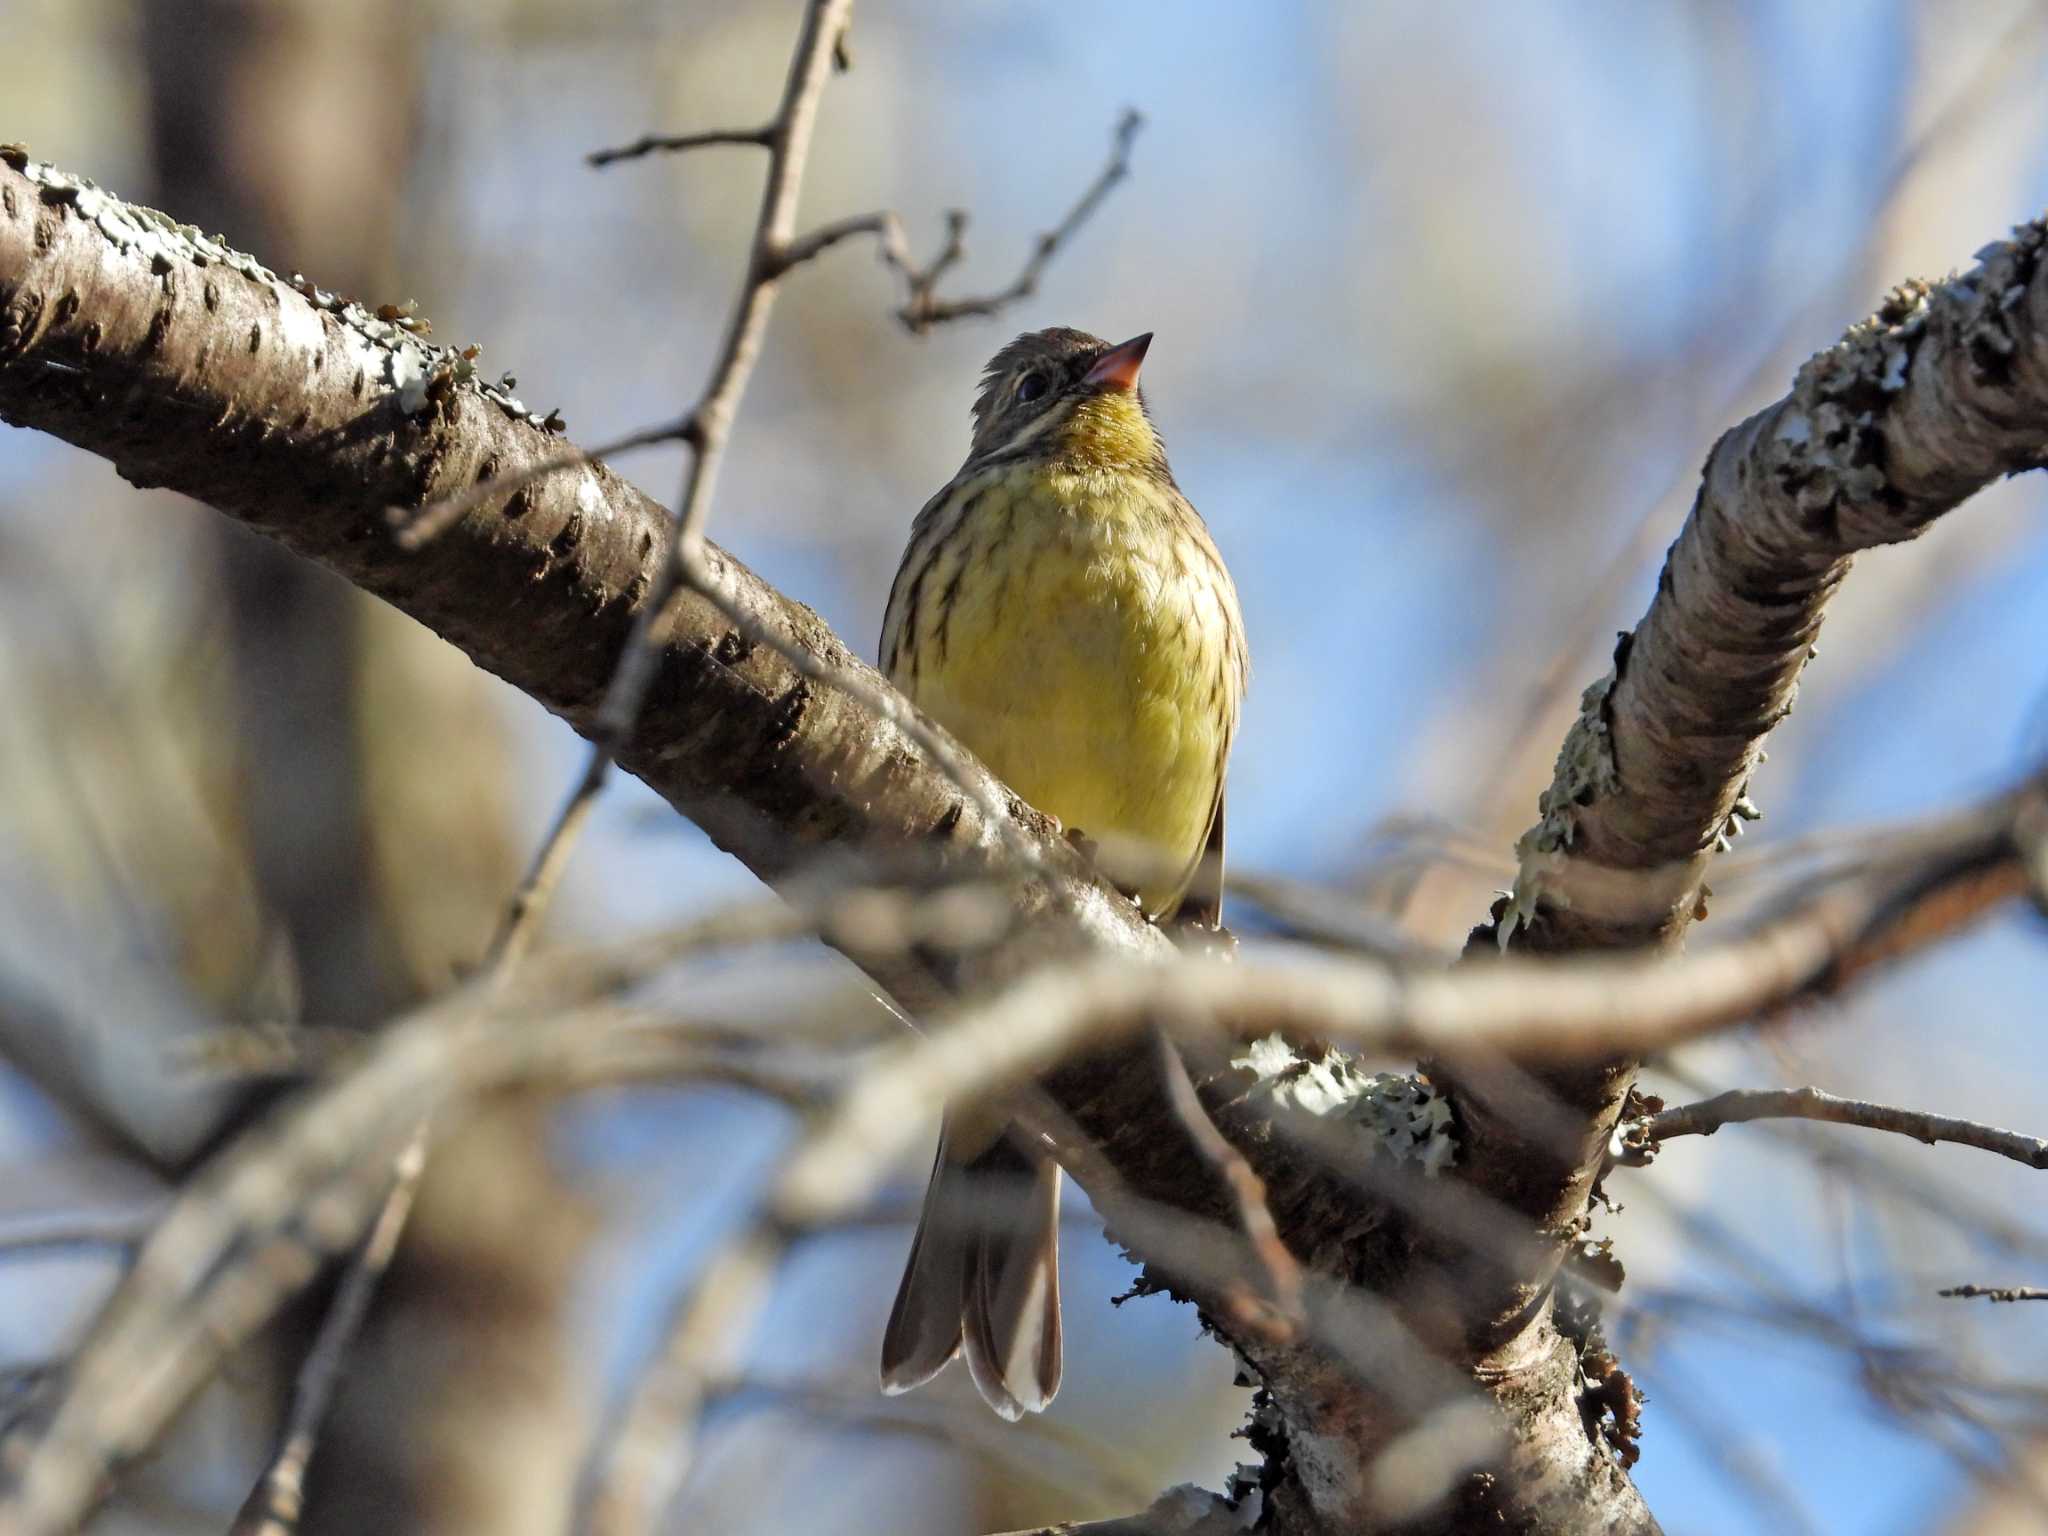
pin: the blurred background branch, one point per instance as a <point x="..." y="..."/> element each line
<point x="1416" y="469"/>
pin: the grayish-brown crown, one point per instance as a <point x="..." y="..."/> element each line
<point x="1060" y="356"/>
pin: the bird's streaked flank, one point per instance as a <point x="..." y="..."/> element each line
<point x="1062" y="610"/>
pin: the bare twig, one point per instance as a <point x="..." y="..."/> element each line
<point x="705" y="429"/>
<point x="660" y="143"/>
<point x="923" y="309"/>
<point x="550" y="861"/>
<point x="117" y="1230"/>
<point x="274" y="1505"/>
<point x="414" y="530"/>
<point x="1533" y="1010"/>
<point x="1275" y="1311"/>
<point x="1998" y="1292"/>
<point x="1637" y="1139"/>
<point x="652" y="1449"/>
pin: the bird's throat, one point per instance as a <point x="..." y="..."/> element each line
<point x="1109" y="431"/>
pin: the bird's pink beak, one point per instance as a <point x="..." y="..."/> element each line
<point x="1118" y="367"/>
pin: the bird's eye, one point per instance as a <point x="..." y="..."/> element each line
<point x="1031" y="386"/>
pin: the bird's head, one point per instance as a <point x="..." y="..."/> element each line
<point x="1063" y="394"/>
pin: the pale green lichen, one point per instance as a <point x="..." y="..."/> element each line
<point x="1403" y="1117"/>
<point x="1585" y="771"/>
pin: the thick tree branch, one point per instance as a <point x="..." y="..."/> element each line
<point x="1944" y="390"/>
<point x="230" y="1251"/>
<point x="191" y="366"/>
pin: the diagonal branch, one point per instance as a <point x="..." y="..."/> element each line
<point x="275" y="1504"/>
<point x="706" y="430"/>
<point x="190" y="365"/>
<point x="1942" y="391"/>
<point x="305" y="417"/>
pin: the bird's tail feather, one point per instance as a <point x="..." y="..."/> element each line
<point x="983" y="1275"/>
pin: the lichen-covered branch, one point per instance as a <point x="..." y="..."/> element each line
<point x="1942" y="391"/>
<point x="189" y="365"/>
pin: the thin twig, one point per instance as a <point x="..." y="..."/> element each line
<point x="1531" y="1010"/>
<point x="923" y="309"/>
<point x="711" y="418"/>
<point x="920" y="311"/>
<point x="1998" y="1292"/>
<point x="668" y="143"/>
<point x="230" y="1251"/>
<point x="1638" y="1138"/>
<point x="414" y="530"/>
<point x="706" y="427"/>
<point x="274" y="1505"/>
<point x="1275" y="1310"/>
<point x="537" y="887"/>
<point x="64" y="1230"/>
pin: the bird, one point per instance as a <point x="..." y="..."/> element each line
<point x="1062" y="610"/>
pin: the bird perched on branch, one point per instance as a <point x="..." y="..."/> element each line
<point x="1062" y="610"/>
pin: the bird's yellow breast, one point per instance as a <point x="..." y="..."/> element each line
<point x="1077" y="631"/>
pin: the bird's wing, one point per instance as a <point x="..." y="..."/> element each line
<point x="1201" y="906"/>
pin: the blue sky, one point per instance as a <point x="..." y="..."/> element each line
<point x="1445" y="299"/>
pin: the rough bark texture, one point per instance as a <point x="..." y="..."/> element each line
<point x="188" y="366"/>
<point x="1943" y="390"/>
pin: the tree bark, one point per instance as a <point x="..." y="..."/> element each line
<point x="187" y="365"/>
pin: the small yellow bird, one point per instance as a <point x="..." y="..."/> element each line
<point x="1062" y="610"/>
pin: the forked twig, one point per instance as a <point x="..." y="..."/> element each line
<point x="705" y="428"/>
<point x="923" y="309"/>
